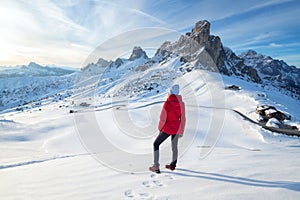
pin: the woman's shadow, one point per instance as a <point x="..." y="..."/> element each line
<point x="295" y="186"/>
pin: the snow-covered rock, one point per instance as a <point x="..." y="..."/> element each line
<point x="274" y="72"/>
<point x="270" y="111"/>
<point x="273" y="122"/>
<point x="96" y="68"/>
<point x="137" y="53"/>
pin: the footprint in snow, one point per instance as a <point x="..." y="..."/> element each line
<point x="152" y="184"/>
<point x="169" y="177"/>
<point x="166" y="176"/>
<point x="129" y="194"/>
<point x="153" y="175"/>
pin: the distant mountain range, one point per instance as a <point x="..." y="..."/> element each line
<point x="33" y="70"/>
<point x="271" y="70"/>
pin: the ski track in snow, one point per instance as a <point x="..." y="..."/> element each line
<point x="32" y="162"/>
<point x="124" y="107"/>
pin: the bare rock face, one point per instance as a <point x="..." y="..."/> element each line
<point x="201" y="32"/>
<point x="211" y="44"/>
<point x="164" y="51"/>
<point x="215" y="49"/>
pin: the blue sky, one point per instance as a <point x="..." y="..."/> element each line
<point x="65" y="32"/>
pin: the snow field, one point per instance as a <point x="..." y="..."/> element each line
<point x="43" y="156"/>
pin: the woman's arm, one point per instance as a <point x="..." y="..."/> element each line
<point x="163" y="117"/>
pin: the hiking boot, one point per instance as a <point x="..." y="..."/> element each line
<point x="170" y="167"/>
<point x="155" y="169"/>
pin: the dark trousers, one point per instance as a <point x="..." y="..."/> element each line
<point x="174" y="141"/>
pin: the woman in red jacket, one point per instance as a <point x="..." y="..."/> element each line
<point x="171" y="123"/>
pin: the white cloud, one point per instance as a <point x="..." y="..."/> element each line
<point x="41" y="31"/>
<point x="34" y="31"/>
<point x="260" y="29"/>
<point x="122" y="44"/>
<point x="253" y="40"/>
<point x="275" y="45"/>
<point x="181" y="14"/>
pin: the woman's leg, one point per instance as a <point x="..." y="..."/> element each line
<point x="160" y="138"/>
<point x="174" y="141"/>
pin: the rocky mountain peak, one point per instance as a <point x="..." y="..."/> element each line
<point x="250" y="53"/>
<point x="273" y="70"/>
<point x="102" y="63"/>
<point x="201" y="31"/>
<point x="207" y="52"/>
<point x="138" y="52"/>
<point x="200" y="38"/>
<point x="33" y="65"/>
<point x="201" y="26"/>
<point x="96" y="68"/>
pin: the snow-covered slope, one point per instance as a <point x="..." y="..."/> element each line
<point x="21" y="92"/>
<point x="24" y="86"/>
<point x="222" y="156"/>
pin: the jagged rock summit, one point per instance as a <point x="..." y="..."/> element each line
<point x="137" y="53"/>
<point x="206" y="51"/>
<point x="96" y="68"/>
<point x="273" y="70"/>
<point x="201" y="32"/>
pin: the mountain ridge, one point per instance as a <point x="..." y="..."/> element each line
<point x="34" y="70"/>
<point x="205" y="51"/>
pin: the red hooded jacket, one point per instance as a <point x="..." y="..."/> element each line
<point x="172" y="117"/>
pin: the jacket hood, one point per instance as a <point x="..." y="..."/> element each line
<point x="176" y="98"/>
